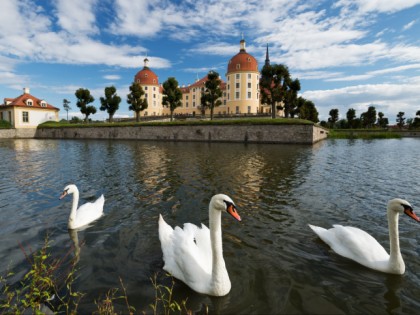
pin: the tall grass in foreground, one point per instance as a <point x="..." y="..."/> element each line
<point x="47" y="288"/>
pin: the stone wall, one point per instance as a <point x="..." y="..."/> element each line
<point x="20" y="133"/>
<point x="301" y="134"/>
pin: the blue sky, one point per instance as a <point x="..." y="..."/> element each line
<point x="346" y="53"/>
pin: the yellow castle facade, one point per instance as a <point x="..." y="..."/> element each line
<point x="241" y="92"/>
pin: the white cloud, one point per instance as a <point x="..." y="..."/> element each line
<point x="112" y="77"/>
<point x="77" y="16"/>
<point x="409" y="25"/>
<point x="389" y="98"/>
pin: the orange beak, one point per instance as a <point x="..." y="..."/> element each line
<point x="233" y="212"/>
<point x="63" y="195"/>
<point x="411" y="214"/>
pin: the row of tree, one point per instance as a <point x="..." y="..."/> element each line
<point x="277" y="89"/>
<point x="368" y="119"/>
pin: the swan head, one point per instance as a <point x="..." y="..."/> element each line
<point x="222" y="202"/>
<point x="402" y="206"/>
<point x="69" y="189"/>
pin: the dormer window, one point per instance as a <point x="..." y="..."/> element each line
<point x="29" y="102"/>
<point x="43" y="104"/>
<point x="145" y="75"/>
<point x="238" y="66"/>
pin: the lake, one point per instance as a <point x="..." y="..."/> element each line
<point x="276" y="264"/>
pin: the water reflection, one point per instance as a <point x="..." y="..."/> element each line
<point x="275" y="263"/>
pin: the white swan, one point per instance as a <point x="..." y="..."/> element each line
<point x="359" y="246"/>
<point x="86" y="213"/>
<point x="194" y="255"/>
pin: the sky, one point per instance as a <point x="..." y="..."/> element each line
<point x="345" y="53"/>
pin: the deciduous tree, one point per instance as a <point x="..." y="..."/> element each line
<point x="66" y="107"/>
<point x="111" y="101"/>
<point x="333" y="117"/>
<point x="172" y="95"/>
<point x="136" y="100"/>
<point x="212" y="93"/>
<point x="83" y="99"/>
<point x="274" y="83"/>
<point x="400" y="119"/>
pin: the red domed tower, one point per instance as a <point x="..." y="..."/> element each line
<point x="242" y="83"/>
<point x="148" y="80"/>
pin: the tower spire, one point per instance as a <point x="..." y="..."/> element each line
<point x="267" y="58"/>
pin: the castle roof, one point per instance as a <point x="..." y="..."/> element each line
<point x="242" y="61"/>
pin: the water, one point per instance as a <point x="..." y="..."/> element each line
<point x="275" y="262"/>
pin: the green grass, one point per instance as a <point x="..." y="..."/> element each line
<point x="5" y="124"/>
<point x="241" y="121"/>
<point x="362" y="134"/>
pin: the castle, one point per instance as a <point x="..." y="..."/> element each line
<point x="241" y="93"/>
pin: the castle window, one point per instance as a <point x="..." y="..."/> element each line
<point x="238" y="66"/>
<point x="43" y="104"/>
<point x="249" y="94"/>
<point x="249" y="59"/>
<point x="237" y="85"/>
<point x="154" y="80"/>
<point x="29" y="103"/>
<point x="237" y="95"/>
<point x="238" y="76"/>
<point x="249" y="109"/>
<point x="145" y="88"/>
<point x="249" y="85"/>
<point x="25" y="116"/>
<point x="249" y="76"/>
<point x="146" y="75"/>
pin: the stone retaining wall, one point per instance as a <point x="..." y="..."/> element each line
<point x="301" y="134"/>
<point x="20" y="133"/>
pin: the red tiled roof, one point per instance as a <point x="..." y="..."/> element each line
<point x="245" y="61"/>
<point x="146" y="77"/>
<point x="200" y="83"/>
<point x="21" y="102"/>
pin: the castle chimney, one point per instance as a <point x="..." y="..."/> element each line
<point x="25" y="90"/>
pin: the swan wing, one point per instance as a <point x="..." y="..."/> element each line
<point x="90" y="211"/>
<point x="185" y="253"/>
<point x="353" y="243"/>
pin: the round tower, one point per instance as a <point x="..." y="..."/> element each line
<point x="242" y="86"/>
<point x="149" y="82"/>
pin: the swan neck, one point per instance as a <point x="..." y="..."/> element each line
<point x="395" y="253"/>
<point x="216" y="242"/>
<point x="72" y="217"/>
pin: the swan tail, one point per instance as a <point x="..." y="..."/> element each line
<point x="318" y="230"/>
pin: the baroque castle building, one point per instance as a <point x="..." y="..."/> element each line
<point x="241" y="92"/>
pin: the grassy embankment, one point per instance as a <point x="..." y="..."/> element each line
<point x="363" y="134"/>
<point x="241" y="121"/>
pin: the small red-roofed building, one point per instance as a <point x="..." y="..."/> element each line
<point x="27" y="111"/>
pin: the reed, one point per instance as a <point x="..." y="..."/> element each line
<point x="48" y="288"/>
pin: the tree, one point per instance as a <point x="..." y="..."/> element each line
<point x="416" y="120"/>
<point x="136" y="100"/>
<point x="290" y="98"/>
<point x="369" y="118"/>
<point x="111" y="101"/>
<point x="274" y="82"/>
<point x="382" y="121"/>
<point x="333" y="117"/>
<point x="66" y="107"/>
<point x="172" y="95"/>
<point x="212" y="94"/>
<point x="400" y="119"/>
<point x="307" y="110"/>
<point x="351" y="116"/>
<point x="83" y="99"/>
